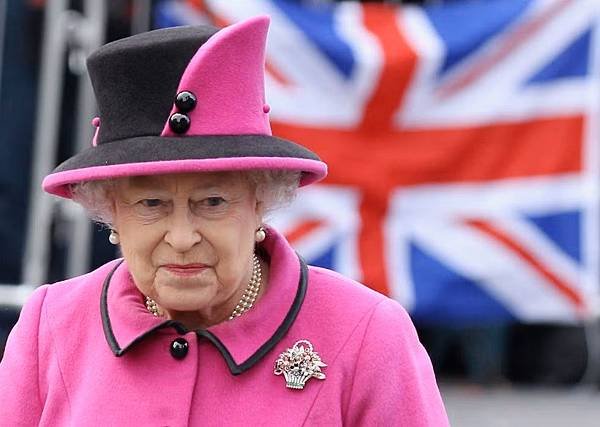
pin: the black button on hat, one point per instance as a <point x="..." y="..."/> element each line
<point x="179" y="123"/>
<point x="185" y="101"/>
<point x="179" y="348"/>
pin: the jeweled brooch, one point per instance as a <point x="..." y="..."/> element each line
<point x="299" y="364"/>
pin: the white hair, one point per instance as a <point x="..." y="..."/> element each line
<point x="274" y="188"/>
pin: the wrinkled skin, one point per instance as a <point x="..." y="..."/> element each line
<point x="188" y="240"/>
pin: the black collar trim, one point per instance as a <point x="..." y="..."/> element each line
<point x="106" y="324"/>
<point x="181" y="329"/>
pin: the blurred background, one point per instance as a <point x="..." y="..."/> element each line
<point x="463" y="147"/>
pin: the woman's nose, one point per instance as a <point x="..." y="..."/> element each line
<point x="182" y="234"/>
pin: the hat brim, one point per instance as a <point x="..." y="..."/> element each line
<point x="156" y="155"/>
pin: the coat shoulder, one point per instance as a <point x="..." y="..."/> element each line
<point x="338" y="293"/>
<point x="338" y="306"/>
<point x="78" y="293"/>
<point x="377" y="368"/>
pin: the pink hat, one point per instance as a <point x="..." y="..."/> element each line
<point x="183" y="99"/>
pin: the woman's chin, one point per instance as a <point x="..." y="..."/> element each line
<point x="182" y="282"/>
<point x="185" y="296"/>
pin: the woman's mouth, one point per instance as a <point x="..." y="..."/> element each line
<point x="185" y="269"/>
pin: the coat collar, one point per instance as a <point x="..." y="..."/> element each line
<point x="243" y="341"/>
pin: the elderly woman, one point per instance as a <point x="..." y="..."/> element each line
<point x="210" y="318"/>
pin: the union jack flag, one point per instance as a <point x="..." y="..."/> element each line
<point x="462" y="142"/>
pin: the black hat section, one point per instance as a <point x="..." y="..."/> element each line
<point x="153" y="149"/>
<point x="135" y="79"/>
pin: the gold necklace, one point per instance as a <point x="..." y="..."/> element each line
<point x="246" y="301"/>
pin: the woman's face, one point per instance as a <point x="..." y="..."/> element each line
<point x="188" y="240"/>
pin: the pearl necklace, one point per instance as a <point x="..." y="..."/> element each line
<point x="246" y="301"/>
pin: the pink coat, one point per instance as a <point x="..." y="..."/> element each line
<point x="86" y="352"/>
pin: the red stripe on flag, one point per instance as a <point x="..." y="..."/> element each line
<point x="303" y="229"/>
<point x="371" y="240"/>
<point x="198" y="4"/>
<point x="397" y="66"/>
<point x="506" y="48"/>
<point x="205" y="9"/>
<point x="276" y="74"/>
<point x="562" y="287"/>
<point x="476" y="154"/>
<point x="396" y="71"/>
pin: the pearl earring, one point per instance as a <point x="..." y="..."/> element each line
<point x="114" y="237"/>
<point x="260" y="234"/>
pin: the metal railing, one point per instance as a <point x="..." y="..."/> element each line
<point x="68" y="38"/>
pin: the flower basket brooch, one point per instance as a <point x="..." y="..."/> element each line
<point x="299" y="364"/>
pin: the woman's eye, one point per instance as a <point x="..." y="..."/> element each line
<point x="214" y="201"/>
<point x="151" y="203"/>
